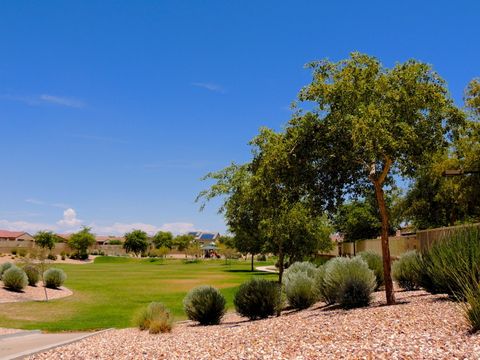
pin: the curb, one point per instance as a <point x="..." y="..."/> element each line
<point x="20" y="333"/>
<point x="31" y="352"/>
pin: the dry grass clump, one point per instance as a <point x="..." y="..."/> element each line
<point x="155" y="318"/>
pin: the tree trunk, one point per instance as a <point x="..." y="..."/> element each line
<point x="385" y="249"/>
<point x="252" y="264"/>
<point x="281" y="258"/>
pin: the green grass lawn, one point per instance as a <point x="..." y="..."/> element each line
<point x="110" y="291"/>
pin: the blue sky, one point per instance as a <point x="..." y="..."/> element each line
<point x="112" y="111"/>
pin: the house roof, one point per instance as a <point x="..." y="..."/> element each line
<point x="11" y="234"/>
<point x="108" y="237"/>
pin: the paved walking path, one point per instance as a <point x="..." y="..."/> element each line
<point x="270" y="269"/>
<point x="24" y="343"/>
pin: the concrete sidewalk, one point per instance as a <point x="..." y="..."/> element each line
<point x="22" y="344"/>
<point x="270" y="269"/>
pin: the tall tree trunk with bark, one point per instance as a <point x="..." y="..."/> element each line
<point x="387" y="273"/>
<point x="281" y="259"/>
<point x="252" y="264"/>
<point x="380" y="196"/>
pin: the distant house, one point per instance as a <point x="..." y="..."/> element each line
<point x="106" y="239"/>
<point x="100" y="239"/>
<point x="204" y="237"/>
<point x="6" y="235"/>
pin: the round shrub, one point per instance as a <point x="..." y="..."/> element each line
<point x="300" y="291"/>
<point x="258" y="299"/>
<point x="375" y="263"/>
<point x="4" y="267"/>
<point x="33" y="274"/>
<point x="406" y="270"/>
<point x="54" y="278"/>
<point x="330" y="278"/>
<point x="304" y="267"/>
<point x="299" y="281"/>
<point x="349" y="281"/>
<point x="205" y="304"/>
<point x="320" y="287"/>
<point x="14" y="278"/>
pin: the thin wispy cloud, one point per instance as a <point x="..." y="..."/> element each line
<point x="45" y="99"/>
<point x="210" y="87"/>
<point x="64" y="101"/>
<point x="41" y="202"/>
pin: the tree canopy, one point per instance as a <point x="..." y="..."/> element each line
<point x="81" y="241"/>
<point x="136" y="242"/>
<point x="163" y="239"/>
<point x="45" y="239"/>
<point x="368" y="123"/>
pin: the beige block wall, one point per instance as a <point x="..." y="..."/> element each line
<point x="397" y="244"/>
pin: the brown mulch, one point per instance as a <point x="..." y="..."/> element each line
<point x="32" y="293"/>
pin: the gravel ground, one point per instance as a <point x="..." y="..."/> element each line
<point x="421" y="326"/>
<point x="31" y="293"/>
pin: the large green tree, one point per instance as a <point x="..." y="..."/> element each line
<point x="136" y="242"/>
<point x="368" y="123"/>
<point x="81" y="241"/>
<point x="263" y="208"/>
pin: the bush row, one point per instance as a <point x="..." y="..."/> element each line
<point x="17" y="278"/>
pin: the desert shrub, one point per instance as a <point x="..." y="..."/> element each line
<point x="52" y="257"/>
<point x="205" y="304"/>
<point x="455" y="257"/>
<point x="305" y="267"/>
<point x="14" y="278"/>
<point x="156" y="318"/>
<point x="4" y="267"/>
<point x="320" y="286"/>
<point x="300" y="290"/>
<point x="261" y="257"/>
<point x="349" y="281"/>
<point x="22" y="252"/>
<point x="258" y="299"/>
<point x="375" y="263"/>
<point x="33" y="274"/>
<point x="406" y="270"/>
<point x="14" y="251"/>
<point x="54" y="278"/>
<point x="327" y="283"/>
<point x="299" y="282"/>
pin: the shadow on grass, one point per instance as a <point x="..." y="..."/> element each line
<point x="247" y="272"/>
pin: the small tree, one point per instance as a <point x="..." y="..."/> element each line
<point x="163" y="239"/>
<point x="136" y="242"/>
<point x="182" y="242"/>
<point x="45" y="239"/>
<point x="81" y="241"/>
<point x="194" y="249"/>
<point x="227" y="252"/>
